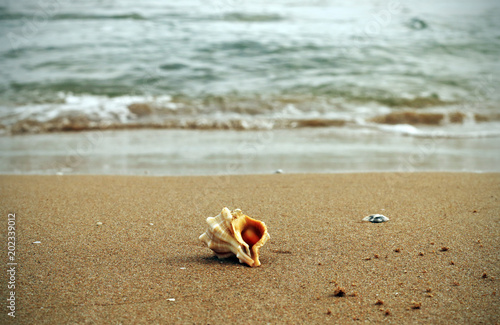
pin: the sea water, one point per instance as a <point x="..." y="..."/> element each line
<point x="389" y="74"/>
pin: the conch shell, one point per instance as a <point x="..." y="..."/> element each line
<point x="233" y="233"/>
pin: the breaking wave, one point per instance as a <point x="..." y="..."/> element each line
<point x="90" y="112"/>
<point x="7" y="15"/>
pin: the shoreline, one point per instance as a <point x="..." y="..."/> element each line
<point x="195" y="152"/>
<point x="120" y="248"/>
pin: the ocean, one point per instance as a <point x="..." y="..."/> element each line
<point x="175" y="88"/>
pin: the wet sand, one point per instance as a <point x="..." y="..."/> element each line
<point x="119" y="249"/>
<point x="210" y="152"/>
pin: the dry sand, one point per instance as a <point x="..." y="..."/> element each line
<point x="146" y="251"/>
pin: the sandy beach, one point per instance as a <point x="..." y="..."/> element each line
<point x="125" y="249"/>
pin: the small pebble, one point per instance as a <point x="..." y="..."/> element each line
<point x="99" y="223"/>
<point x="339" y="292"/>
<point x="416" y="305"/>
<point x="150" y="223"/>
<point x="376" y="218"/>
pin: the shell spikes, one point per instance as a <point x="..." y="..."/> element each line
<point x="233" y="233"/>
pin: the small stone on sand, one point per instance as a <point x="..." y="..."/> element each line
<point x="339" y="292"/>
<point x="416" y="305"/>
<point x="376" y="218"/>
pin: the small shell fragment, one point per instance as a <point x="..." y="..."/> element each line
<point x="376" y="218"/>
<point x="232" y="233"/>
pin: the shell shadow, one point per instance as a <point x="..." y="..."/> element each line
<point x="215" y="260"/>
<point x="204" y="260"/>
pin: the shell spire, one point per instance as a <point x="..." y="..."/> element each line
<point x="233" y="233"/>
